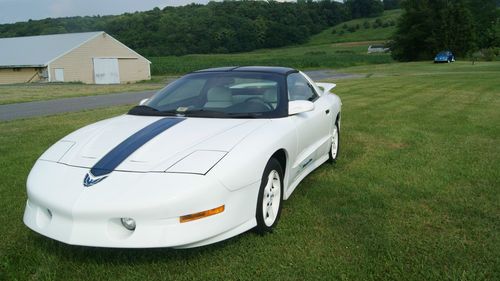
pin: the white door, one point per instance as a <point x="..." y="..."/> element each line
<point x="313" y="127"/>
<point x="106" y="71"/>
<point x="59" y="74"/>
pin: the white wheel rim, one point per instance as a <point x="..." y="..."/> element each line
<point x="335" y="142"/>
<point x="272" y="196"/>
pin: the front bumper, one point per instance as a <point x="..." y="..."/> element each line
<point x="60" y="207"/>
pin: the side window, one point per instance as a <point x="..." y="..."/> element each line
<point x="299" y="88"/>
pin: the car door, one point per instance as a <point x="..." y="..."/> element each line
<point x="312" y="127"/>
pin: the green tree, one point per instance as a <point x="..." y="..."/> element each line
<point x="391" y="4"/>
<point x="364" y="8"/>
<point x="428" y="26"/>
<point x="485" y="15"/>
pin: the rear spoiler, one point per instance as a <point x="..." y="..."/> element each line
<point x="327" y="87"/>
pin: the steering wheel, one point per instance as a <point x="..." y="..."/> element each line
<point x="261" y="101"/>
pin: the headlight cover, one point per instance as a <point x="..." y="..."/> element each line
<point x="198" y="162"/>
<point x="57" y="151"/>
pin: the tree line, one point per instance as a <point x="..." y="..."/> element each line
<point x="217" y="27"/>
<point x="462" y="26"/>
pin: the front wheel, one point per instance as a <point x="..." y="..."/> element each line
<point x="270" y="197"/>
<point x="335" y="143"/>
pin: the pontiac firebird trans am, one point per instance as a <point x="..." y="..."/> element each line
<point x="210" y="156"/>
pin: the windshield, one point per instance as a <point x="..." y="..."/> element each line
<point x="219" y="94"/>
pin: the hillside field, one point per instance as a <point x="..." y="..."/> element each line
<point x="413" y="196"/>
<point x="319" y="52"/>
<point x="301" y="57"/>
<point x="364" y="29"/>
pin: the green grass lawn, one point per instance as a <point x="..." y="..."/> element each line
<point x="414" y="196"/>
<point x="342" y="34"/>
<point x="35" y="92"/>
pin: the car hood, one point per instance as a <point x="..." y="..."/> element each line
<point x="87" y="146"/>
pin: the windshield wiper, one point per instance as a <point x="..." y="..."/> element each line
<point x="150" y="111"/>
<point x="202" y="113"/>
<point x="244" y="115"/>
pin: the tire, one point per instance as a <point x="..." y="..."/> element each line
<point x="335" y="145"/>
<point x="270" y="199"/>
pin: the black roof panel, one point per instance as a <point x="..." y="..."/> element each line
<point x="269" y="69"/>
<point x="217" y="69"/>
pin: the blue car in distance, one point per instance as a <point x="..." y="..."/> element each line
<point x="444" y="56"/>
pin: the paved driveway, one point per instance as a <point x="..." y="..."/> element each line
<point x="50" y="107"/>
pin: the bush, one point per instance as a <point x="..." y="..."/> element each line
<point x="357" y="26"/>
<point x="351" y="28"/>
<point x="334" y="31"/>
<point x="366" y="24"/>
<point x="385" y="24"/>
<point x="341" y="32"/>
<point x="345" y="26"/>
<point x="490" y="54"/>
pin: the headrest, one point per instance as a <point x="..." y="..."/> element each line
<point x="219" y="94"/>
<point x="271" y="95"/>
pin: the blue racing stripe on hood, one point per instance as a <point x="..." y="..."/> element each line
<point x="118" y="154"/>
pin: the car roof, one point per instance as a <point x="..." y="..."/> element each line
<point x="267" y="69"/>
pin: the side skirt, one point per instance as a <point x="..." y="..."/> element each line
<point x="306" y="172"/>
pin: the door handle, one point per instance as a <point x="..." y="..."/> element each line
<point x="327" y="111"/>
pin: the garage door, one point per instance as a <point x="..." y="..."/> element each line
<point x="106" y="71"/>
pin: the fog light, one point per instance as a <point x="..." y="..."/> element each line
<point x="128" y="223"/>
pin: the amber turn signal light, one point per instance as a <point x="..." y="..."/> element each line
<point x="200" y="215"/>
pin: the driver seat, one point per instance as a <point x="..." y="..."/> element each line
<point x="271" y="96"/>
<point x="219" y="97"/>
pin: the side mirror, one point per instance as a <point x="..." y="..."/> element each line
<point x="299" y="106"/>
<point x="143" y="101"/>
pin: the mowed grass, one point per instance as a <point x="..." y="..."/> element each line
<point x="301" y="57"/>
<point x="15" y="93"/>
<point x="414" y="195"/>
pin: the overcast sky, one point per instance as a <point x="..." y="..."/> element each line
<point x="23" y="10"/>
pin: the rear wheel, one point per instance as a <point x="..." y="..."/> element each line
<point x="270" y="197"/>
<point x="335" y="143"/>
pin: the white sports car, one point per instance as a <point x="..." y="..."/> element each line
<point x="210" y="156"/>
